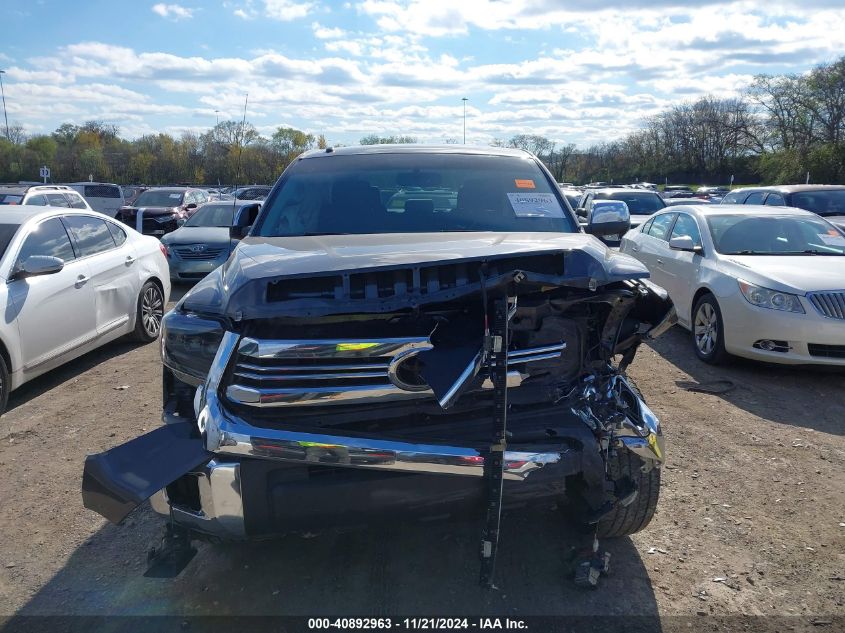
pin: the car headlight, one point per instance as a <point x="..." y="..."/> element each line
<point x="772" y="299"/>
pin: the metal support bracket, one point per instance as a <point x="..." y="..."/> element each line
<point x="494" y="459"/>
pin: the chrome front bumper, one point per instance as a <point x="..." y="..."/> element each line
<point x="229" y="435"/>
<point x="232" y="439"/>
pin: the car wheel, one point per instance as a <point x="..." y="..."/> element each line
<point x="708" y="332"/>
<point x="625" y="520"/>
<point x="150" y="311"/>
<point x="5" y="385"/>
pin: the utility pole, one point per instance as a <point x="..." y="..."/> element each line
<point x="3" y="93"/>
<point x="464" y="99"/>
<point x="217" y="116"/>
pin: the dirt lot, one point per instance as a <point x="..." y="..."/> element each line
<point x="751" y="519"/>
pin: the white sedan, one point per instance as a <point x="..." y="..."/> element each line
<point x="762" y="282"/>
<point x="72" y="281"/>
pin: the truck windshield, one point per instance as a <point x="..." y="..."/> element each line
<point x="413" y="193"/>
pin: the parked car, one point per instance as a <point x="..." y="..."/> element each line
<point x="131" y="193"/>
<point x="72" y="281"/>
<point x="711" y="193"/>
<point x="345" y="369"/>
<point x="163" y="209"/>
<point x="677" y="191"/>
<point x="760" y="282"/>
<point x="101" y="196"/>
<point x="827" y="201"/>
<point x="42" y="196"/>
<point x="641" y="203"/>
<point x="203" y="243"/>
<point x="254" y="192"/>
<point x="573" y="196"/>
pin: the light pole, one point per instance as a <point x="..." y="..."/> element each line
<point x="464" y="99"/>
<point x="3" y="93"/>
<point x="217" y="116"/>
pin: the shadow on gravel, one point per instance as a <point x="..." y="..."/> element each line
<point x="805" y="395"/>
<point x="388" y="570"/>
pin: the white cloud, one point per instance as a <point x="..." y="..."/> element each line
<point x="287" y="10"/>
<point x="173" y="11"/>
<point x="326" y="33"/>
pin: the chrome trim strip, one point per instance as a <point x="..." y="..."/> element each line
<point x="558" y="347"/>
<point x="278" y="368"/>
<point x="330" y="348"/>
<point x="325" y="376"/>
<point x="226" y="434"/>
<point x="828" y="303"/>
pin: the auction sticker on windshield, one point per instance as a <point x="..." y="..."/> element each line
<point x="535" y="205"/>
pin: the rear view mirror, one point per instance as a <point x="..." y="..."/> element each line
<point x="37" y="265"/>
<point x="684" y="243"/>
<point x="608" y="217"/>
<point x="243" y="220"/>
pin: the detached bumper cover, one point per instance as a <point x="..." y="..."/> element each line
<point x="117" y="481"/>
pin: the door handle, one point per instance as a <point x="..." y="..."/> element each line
<point x="130" y="260"/>
<point x="635" y="249"/>
<point x="659" y="261"/>
<point x="81" y="281"/>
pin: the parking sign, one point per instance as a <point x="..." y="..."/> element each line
<point x="44" y="172"/>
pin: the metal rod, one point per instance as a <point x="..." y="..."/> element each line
<point x="464" y="99"/>
<point x="3" y="93"/>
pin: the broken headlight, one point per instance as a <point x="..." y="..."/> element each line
<point x="188" y="344"/>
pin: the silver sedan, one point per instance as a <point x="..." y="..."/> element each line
<point x="766" y="283"/>
<point x="72" y="281"/>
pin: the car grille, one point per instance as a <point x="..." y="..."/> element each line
<point x="829" y="304"/>
<point x="206" y="253"/>
<point x="272" y="373"/>
<point x="826" y="351"/>
<point x="402" y="282"/>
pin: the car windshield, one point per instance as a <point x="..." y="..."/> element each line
<point x="775" y="235"/>
<point x="413" y="193"/>
<point x="159" y="199"/>
<point x="7" y="232"/>
<point x="638" y="203"/>
<point x="10" y="198"/>
<point x="821" y="202"/>
<point x="213" y="215"/>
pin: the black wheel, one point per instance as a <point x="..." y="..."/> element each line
<point x="708" y="332"/>
<point x="150" y="311"/>
<point x="624" y="520"/>
<point x="5" y="385"/>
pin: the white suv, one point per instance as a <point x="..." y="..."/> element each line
<point x="42" y="196"/>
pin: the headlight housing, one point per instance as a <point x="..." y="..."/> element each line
<point x="772" y="299"/>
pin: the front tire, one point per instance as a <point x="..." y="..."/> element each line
<point x="708" y="331"/>
<point x="149" y="313"/>
<point x="625" y="520"/>
<point x="5" y="385"/>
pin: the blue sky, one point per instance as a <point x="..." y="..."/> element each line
<point x="580" y="72"/>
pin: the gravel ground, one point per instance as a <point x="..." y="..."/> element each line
<point x="751" y="519"/>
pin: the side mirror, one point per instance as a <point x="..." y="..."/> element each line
<point x="609" y="217"/>
<point x="37" y="265"/>
<point x="190" y="205"/>
<point x="684" y="243"/>
<point x="581" y="212"/>
<point x="244" y="218"/>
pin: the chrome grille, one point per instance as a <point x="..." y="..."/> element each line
<point x="273" y="373"/>
<point x="208" y="252"/>
<point x="830" y="304"/>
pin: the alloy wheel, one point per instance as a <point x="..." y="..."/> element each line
<point x="706" y="328"/>
<point x="152" y="310"/>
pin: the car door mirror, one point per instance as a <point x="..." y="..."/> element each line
<point x="37" y="265"/>
<point x="684" y="243"/>
<point x="609" y="217"/>
<point x="190" y="205"/>
<point x="243" y="220"/>
<point x="581" y="212"/>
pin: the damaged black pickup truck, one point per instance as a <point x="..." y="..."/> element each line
<point x="406" y="331"/>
